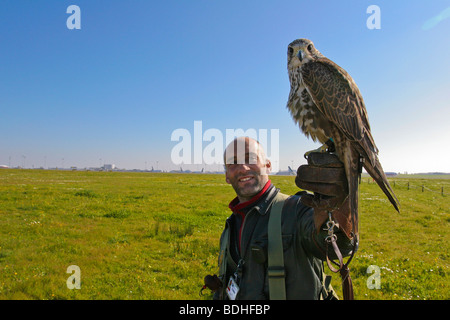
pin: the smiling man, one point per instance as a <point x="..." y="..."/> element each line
<point x="243" y="257"/>
<point x="246" y="167"/>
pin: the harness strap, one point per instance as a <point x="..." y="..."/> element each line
<point x="276" y="272"/>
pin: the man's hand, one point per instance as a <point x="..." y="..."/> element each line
<point x="325" y="176"/>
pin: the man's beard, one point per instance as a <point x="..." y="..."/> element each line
<point x="248" y="185"/>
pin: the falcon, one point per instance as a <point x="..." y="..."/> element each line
<point x="328" y="107"/>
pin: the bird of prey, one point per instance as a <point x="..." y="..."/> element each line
<point x="327" y="105"/>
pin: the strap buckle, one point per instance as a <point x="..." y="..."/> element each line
<point x="276" y="272"/>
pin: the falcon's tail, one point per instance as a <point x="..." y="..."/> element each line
<point x="352" y="170"/>
<point x="377" y="173"/>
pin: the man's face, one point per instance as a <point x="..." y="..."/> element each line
<point x="247" y="170"/>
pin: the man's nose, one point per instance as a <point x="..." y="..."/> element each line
<point x="243" y="167"/>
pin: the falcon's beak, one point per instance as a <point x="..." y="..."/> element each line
<point x="300" y="55"/>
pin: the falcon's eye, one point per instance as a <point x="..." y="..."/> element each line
<point x="290" y="51"/>
<point x="310" y="47"/>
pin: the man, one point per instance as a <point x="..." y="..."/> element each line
<point x="243" y="258"/>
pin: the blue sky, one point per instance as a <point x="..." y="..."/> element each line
<point x="115" y="90"/>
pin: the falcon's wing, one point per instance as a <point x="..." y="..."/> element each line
<point x="337" y="96"/>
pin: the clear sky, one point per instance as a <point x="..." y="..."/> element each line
<point x="115" y="90"/>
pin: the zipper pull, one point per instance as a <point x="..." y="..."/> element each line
<point x="238" y="273"/>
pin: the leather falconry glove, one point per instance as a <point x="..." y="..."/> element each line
<point x="325" y="176"/>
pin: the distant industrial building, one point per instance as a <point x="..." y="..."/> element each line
<point x="109" y="166"/>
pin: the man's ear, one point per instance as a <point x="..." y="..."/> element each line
<point x="268" y="167"/>
<point x="226" y="178"/>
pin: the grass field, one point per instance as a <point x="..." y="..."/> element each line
<point x="155" y="235"/>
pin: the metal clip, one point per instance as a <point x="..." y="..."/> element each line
<point x="330" y="228"/>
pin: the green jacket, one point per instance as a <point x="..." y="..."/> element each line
<point x="304" y="251"/>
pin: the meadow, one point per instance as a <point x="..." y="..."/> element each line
<point x="137" y="235"/>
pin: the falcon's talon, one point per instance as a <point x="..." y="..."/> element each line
<point x="323" y="148"/>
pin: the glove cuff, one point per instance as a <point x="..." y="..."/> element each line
<point x="340" y="215"/>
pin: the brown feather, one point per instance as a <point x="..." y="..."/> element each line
<point x="349" y="115"/>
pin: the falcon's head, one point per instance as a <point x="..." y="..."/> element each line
<point x="301" y="51"/>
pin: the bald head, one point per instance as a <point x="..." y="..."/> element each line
<point x="244" y="150"/>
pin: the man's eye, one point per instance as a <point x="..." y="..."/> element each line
<point x="252" y="159"/>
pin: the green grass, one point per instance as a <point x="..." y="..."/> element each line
<point x="155" y="235"/>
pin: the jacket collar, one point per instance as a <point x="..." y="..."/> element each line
<point x="263" y="206"/>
